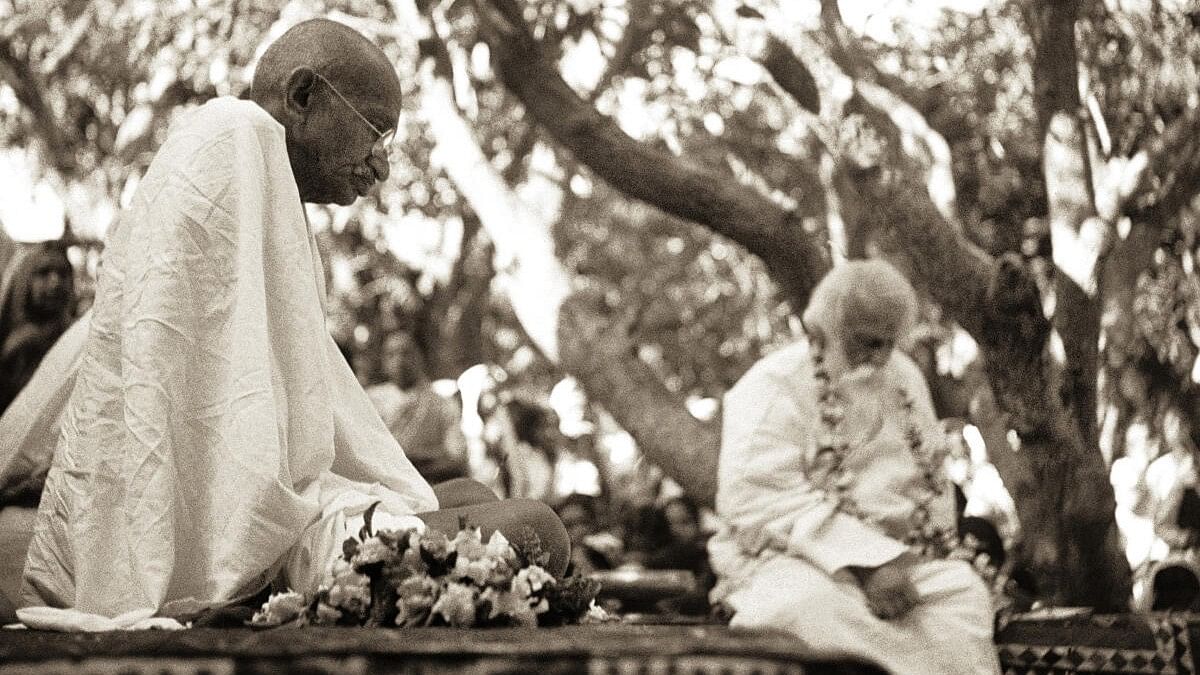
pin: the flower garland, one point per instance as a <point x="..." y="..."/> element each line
<point x="407" y="578"/>
<point x="923" y="538"/>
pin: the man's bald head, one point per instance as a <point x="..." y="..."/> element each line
<point x="336" y="94"/>
<point x="352" y="62"/>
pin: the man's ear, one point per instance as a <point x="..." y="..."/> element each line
<point x="298" y="91"/>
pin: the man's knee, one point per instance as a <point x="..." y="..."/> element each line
<point x="462" y="492"/>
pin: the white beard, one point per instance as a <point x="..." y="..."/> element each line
<point x="860" y="373"/>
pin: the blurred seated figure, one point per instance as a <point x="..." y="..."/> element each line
<point x="1170" y="483"/>
<point x="426" y="424"/>
<point x="645" y="530"/>
<point x="1175" y="585"/>
<point x="529" y="466"/>
<point x="1167" y="498"/>
<point x="37" y="292"/>
<point x="591" y="548"/>
<point x="686" y="548"/>
<point x="836" y="515"/>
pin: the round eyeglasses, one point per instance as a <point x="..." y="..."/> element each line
<point x="383" y="144"/>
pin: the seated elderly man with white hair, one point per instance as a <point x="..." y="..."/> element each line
<point x="215" y="440"/>
<point x="836" y="513"/>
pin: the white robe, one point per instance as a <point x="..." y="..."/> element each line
<point x="215" y="435"/>
<point x="783" y="547"/>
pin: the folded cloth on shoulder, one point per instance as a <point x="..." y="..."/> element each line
<point x="212" y="416"/>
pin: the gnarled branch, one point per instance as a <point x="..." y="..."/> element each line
<point x="644" y="172"/>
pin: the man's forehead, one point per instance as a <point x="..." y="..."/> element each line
<point x="375" y="100"/>
<point x="871" y="326"/>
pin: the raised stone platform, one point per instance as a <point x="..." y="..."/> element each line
<point x="1158" y="644"/>
<point x="615" y="649"/>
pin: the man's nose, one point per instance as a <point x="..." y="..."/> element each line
<point x="378" y="161"/>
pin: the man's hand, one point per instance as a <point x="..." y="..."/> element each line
<point x="890" y="593"/>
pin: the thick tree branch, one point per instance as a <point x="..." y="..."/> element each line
<point x="891" y="96"/>
<point x="1078" y="235"/>
<point x="69" y="43"/>
<point x="703" y="196"/>
<point x="1076" y="530"/>
<point x="685" y="448"/>
<point x="28" y="87"/>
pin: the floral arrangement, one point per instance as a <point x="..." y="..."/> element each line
<point x="407" y="578"/>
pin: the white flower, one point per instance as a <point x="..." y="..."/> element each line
<point x="499" y="547"/>
<point x="478" y="570"/>
<point x="468" y="543"/>
<point x="530" y="580"/>
<point x="327" y="615"/>
<point x="509" y="605"/>
<point x="372" y="550"/>
<point x="457" y="605"/>
<point x="280" y="608"/>
<point x="351" y="591"/>
<point x="436" y="543"/>
<point x="596" y="614"/>
<point x="416" y="596"/>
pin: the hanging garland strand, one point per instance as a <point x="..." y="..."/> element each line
<point x="923" y="537"/>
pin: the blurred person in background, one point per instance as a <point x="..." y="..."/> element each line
<point x="427" y="425"/>
<point x="592" y="547"/>
<point x="37" y="293"/>
<point x="1168" y="499"/>
<point x="530" y="462"/>
<point x="685" y="549"/>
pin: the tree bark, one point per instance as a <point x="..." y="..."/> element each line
<point x="641" y="171"/>
<point x="599" y="352"/>
<point x="57" y="146"/>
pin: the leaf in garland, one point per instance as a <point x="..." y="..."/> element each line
<point x="366" y="532"/>
<point x="349" y="548"/>
<point x="529" y="549"/>
<point x="383" y="602"/>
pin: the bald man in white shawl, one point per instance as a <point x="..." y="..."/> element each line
<point x="216" y="439"/>
<point x="825" y="497"/>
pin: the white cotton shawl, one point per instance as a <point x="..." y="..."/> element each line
<point x="213" y="419"/>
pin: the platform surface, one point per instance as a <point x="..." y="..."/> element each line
<point x="609" y="648"/>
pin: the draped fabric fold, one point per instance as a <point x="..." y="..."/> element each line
<point x="212" y="415"/>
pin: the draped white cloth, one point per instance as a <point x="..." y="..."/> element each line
<point x="215" y="435"/>
<point x="783" y="549"/>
